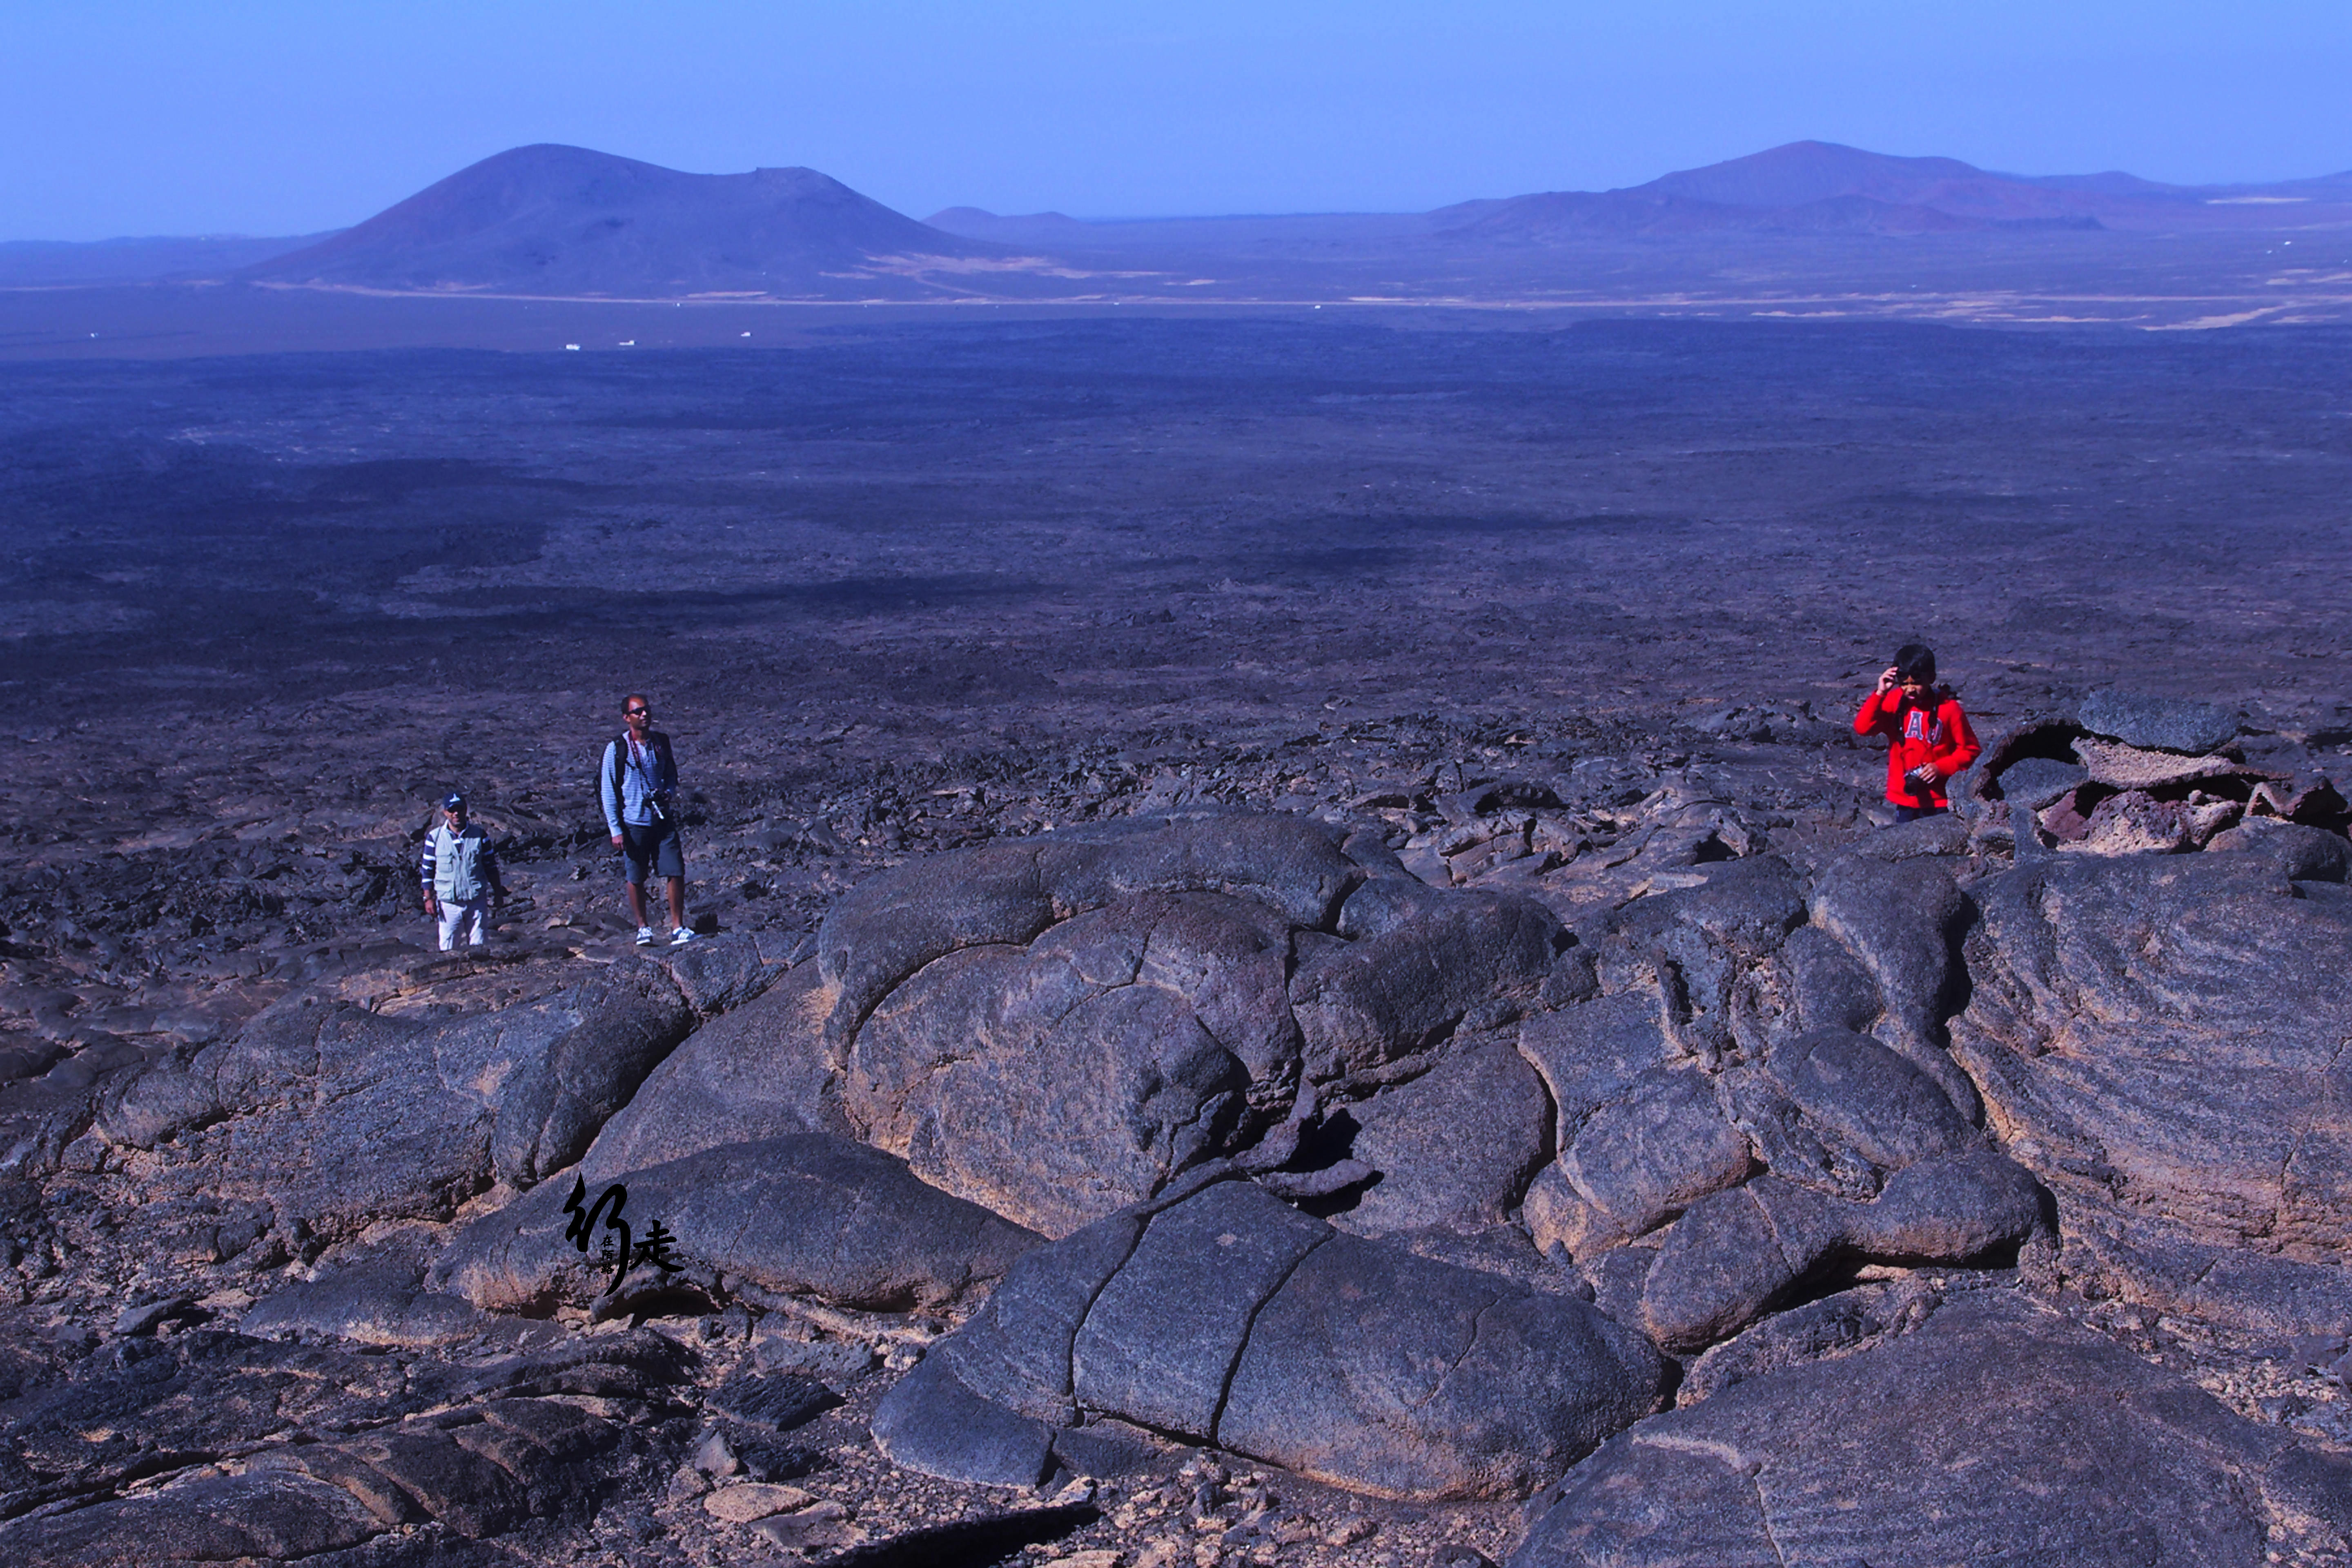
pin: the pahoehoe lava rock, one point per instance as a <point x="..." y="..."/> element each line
<point x="2161" y="723"/>
<point x="811" y="1214"/>
<point x="340" y="1117"/>
<point x="1874" y="1102"/>
<point x="2032" y="782"/>
<point x="263" y="1515"/>
<point x="1061" y="1089"/>
<point x="384" y="1306"/>
<point x="1995" y="1434"/>
<point x="1055" y="1081"/>
<point x="559" y="1100"/>
<point x="1220" y="1313"/>
<point x="2305" y="853"/>
<point x="331" y="1445"/>
<point x="1469" y="956"/>
<point x="1737" y="1254"/>
<point x="885" y="929"/>
<point x="758" y="1073"/>
<point x="1717" y="1106"/>
<point x="1904" y="922"/>
<point x="1057" y="1028"/>
<point x="1433" y="1168"/>
<point x="2162" y="1041"/>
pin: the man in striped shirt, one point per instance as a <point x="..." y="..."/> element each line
<point x="459" y="869"/>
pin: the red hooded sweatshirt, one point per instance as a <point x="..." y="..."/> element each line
<point x="1934" y="731"/>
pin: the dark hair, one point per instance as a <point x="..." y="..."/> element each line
<point x="1916" y="660"/>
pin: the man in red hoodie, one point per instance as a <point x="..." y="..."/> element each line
<point x="1928" y="738"/>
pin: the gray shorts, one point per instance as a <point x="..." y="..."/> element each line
<point x="654" y="846"/>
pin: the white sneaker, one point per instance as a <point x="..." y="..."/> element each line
<point x="644" y="936"/>
<point x="681" y="936"/>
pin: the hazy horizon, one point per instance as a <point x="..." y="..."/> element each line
<point x="159" y="120"/>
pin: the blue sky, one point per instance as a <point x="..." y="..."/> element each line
<point x="261" y="118"/>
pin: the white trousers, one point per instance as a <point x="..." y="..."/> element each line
<point x="471" y="917"/>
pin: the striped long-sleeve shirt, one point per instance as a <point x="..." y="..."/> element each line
<point x="472" y="863"/>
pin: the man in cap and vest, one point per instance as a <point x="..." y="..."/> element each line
<point x="460" y="868"/>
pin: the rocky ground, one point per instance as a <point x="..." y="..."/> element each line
<point x="1569" y="634"/>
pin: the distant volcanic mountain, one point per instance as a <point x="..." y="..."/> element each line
<point x="565" y="221"/>
<point x="1027" y="229"/>
<point x="1805" y="174"/>
<point x="1820" y="187"/>
<point x="1647" y="210"/>
<point x="554" y="222"/>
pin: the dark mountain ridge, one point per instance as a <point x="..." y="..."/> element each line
<point x="1823" y="188"/>
<point x="1804" y="188"/>
<point x="1022" y="228"/>
<point x="555" y="222"/>
<point x="1647" y="211"/>
<point x="569" y="222"/>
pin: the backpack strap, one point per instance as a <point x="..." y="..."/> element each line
<point x="657" y="752"/>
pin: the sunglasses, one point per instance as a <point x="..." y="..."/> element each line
<point x="635" y="712"/>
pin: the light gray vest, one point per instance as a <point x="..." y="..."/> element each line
<point x="458" y="863"/>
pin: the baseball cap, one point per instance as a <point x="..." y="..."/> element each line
<point x="453" y="801"/>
